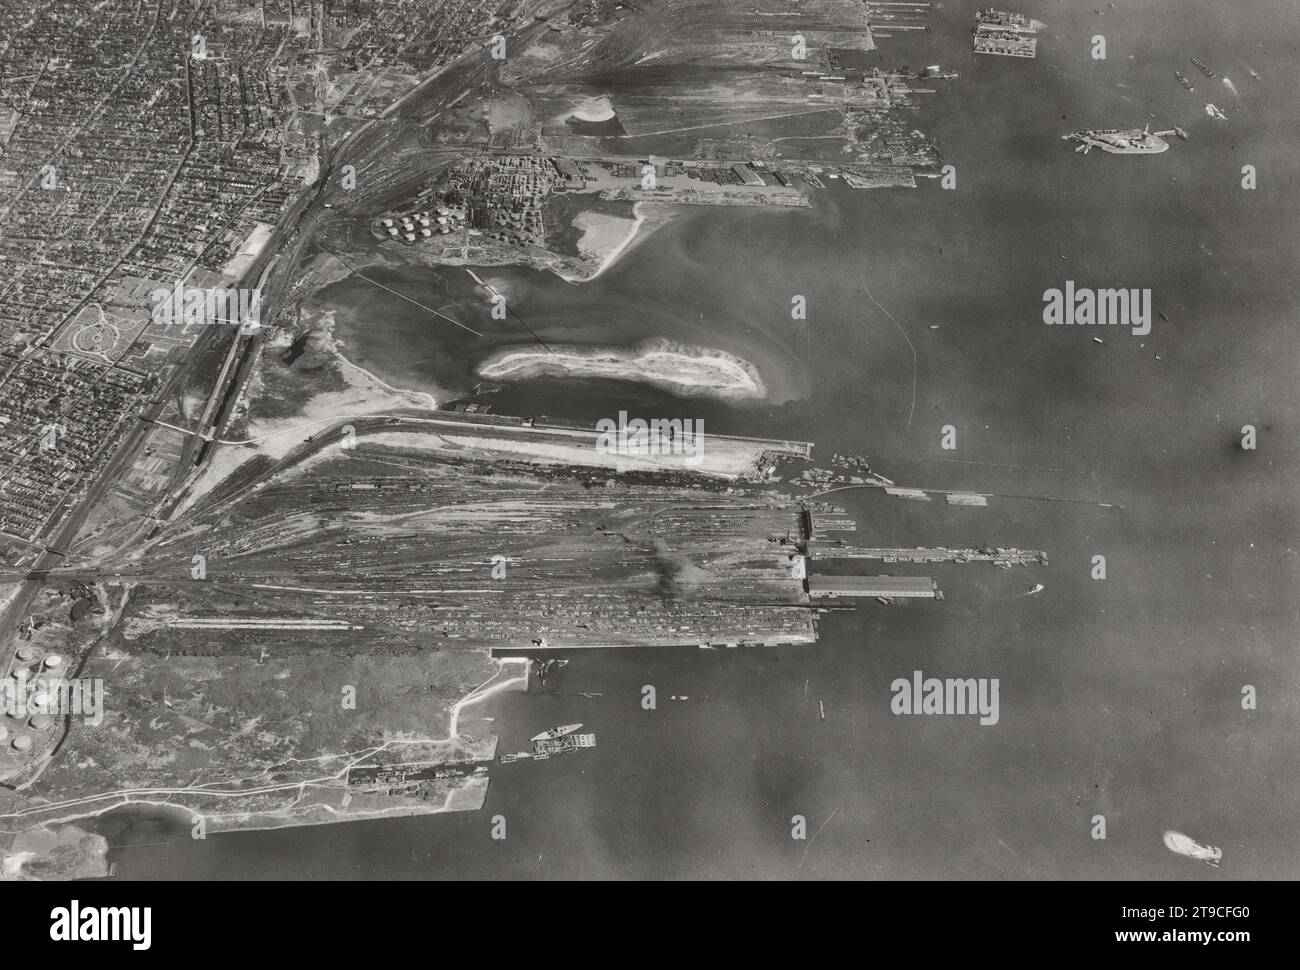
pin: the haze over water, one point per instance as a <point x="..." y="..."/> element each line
<point x="1118" y="697"/>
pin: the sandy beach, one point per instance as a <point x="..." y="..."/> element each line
<point x="677" y="368"/>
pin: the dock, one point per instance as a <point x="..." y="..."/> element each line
<point x="542" y="750"/>
<point x="830" y="549"/>
<point x="881" y="587"/>
<point x="1006" y="34"/>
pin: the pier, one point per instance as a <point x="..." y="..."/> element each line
<point x="829" y="549"/>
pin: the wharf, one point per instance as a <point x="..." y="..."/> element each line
<point x="544" y="748"/>
<point x="824" y="549"/>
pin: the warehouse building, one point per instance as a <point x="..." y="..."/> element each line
<point x="888" y="587"/>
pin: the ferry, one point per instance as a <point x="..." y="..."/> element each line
<point x="555" y="732"/>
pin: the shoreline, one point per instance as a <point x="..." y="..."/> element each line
<point x="172" y="807"/>
<point x="682" y="370"/>
<point x="634" y="234"/>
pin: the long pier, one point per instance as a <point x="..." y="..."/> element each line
<point x="823" y="549"/>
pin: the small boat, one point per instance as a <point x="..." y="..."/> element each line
<point x="1251" y="72"/>
<point x="556" y="732"/>
<point x="1038" y="588"/>
<point x="1098" y="340"/>
<point x="821" y="709"/>
<point x="1162" y="316"/>
<point x="934" y="326"/>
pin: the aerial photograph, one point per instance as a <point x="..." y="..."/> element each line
<point x="649" y="440"/>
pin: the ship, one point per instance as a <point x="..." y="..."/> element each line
<point x="572" y="742"/>
<point x="556" y="732"/>
<point x="1203" y="69"/>
<point x="1183" y="81"/>
<point x="1214" y="112"/>
<point x="1119" y="141"/>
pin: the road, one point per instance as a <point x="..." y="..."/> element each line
<point x="474" y="72"/>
